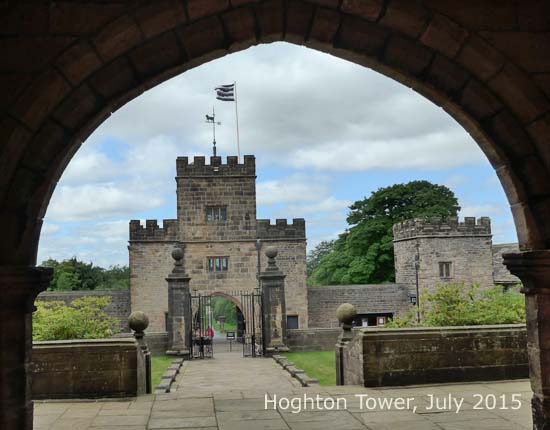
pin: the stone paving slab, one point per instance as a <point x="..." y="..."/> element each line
<point x="230" y="392"/>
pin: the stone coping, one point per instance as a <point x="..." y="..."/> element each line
<point x="78" y="342"/>
<point x="495" y="327"/>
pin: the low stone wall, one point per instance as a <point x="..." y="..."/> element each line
<point x="367" y="299"/>
<point x="119" y="307"/>
<point x="87" y="369"/>
<point x="386" y="357"/>
<point x="315" y="339"/>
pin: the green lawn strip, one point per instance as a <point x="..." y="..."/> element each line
<point x="158" y="365"/>
<point x="320" y="365"/>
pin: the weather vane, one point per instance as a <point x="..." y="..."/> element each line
<point x="212" y="120"/>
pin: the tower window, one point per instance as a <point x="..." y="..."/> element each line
<point x="218" y="264"/>
<point x="216" y="214"/>
<point x="445" y="269"/>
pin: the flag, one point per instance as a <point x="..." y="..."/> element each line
<point x="226" y="93"/>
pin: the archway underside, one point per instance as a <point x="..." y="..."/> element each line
<point x="70" y="65"/>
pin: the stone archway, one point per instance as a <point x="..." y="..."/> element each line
<point x="238" y="307"/>
<point x="67" y="65"/>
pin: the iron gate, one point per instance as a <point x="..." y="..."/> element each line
<point x="202" y="338"/>
<point x="252" y="310"/>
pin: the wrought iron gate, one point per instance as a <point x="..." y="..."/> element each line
<point x="253" y="336"/>
<point x="202" y="338"/>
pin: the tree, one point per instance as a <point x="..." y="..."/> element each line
<point x="75" y="275"/>
<point x="364" y="252"/>
<point x="315" y="256"/>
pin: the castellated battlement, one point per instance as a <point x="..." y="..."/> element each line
<point x="151" y="231"/>
<point x="281" y="229"/>
<point x="198" y="166"/>
<point x="436" y="227"/>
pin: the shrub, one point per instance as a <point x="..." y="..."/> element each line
<point x="84" y="318"/>
<point x="457" y="305"/>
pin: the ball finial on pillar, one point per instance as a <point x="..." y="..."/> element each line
<point x="138" y="321"/>
<point x="271" y="252"/>
<point x="177" y="255"/>
<point x="345" y="313"/>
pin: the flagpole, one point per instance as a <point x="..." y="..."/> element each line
<point x="237" y="118"/>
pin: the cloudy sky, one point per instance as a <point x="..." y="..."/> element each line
<point x="325" y="132"/>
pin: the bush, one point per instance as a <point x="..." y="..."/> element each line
<point x="84" y="318"/>
<point x="457" y="305"/>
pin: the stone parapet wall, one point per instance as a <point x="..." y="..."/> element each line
<point x="152" y="232"/>
<point x="426" y="355"/>
<point x="437" y="227"/>
<point x="87" y="369"/>
<point x="118" y="308"/>
<point x="367" y="299"/>
<point x="281" y="229"/>
<point x="216" y="168"/>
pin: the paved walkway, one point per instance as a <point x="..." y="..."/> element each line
<point x="228" y="393"/>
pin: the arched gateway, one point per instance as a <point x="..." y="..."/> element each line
<point x="67" y="65"/>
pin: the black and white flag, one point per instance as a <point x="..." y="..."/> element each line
<point x="226" y="93"/>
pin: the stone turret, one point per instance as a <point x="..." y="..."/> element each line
<point x="443" y="251"/>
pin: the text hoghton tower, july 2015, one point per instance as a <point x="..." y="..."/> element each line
<point x="216" y="223"/>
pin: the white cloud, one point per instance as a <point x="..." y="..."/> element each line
<point x="49" y="229"/>
<point x="292" y="189"/>
<point x="434" y="151"/>
<point x="454" y="181"/>
<point x="88" y="202"/>
<point x="89" y="165"/>
<point x="312" y="111"/>
<point x="479" y="210"/>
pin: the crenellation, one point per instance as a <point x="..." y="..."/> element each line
<point x="281" y="229"/>
<point x="216" y="167"/>
<point x="151" y="231"/>
<point x="436" y="227"/>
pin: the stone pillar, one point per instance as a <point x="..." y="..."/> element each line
<point x="179" y="308"/>
<point x="138" y="322"/>
<point x="345" y="314"/>
<point x="272" y="282"/>
<point x="19" y="287"/>
<point x="533" y="268"/>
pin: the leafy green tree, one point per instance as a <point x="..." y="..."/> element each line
<point x="84" y="318"/>
<point x="225" y="308"/>
<point x="315" y="256"/>
<point x="75" y="275"/>
<point x="364" y="253"/>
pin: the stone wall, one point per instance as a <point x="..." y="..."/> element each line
<point x="150" y="264"/>
<point x="87" y="369"/>
<point x="368" y="299"/>
<point x="118" y="308"/>
<point x="501" y="275"/>
<point x="466" y="245"/>
<point x="387" y="357"/>
<point x="312" y="339"/>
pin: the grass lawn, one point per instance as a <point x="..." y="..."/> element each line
<point x="158" y="365"/>
<point x="319" y="365"/>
